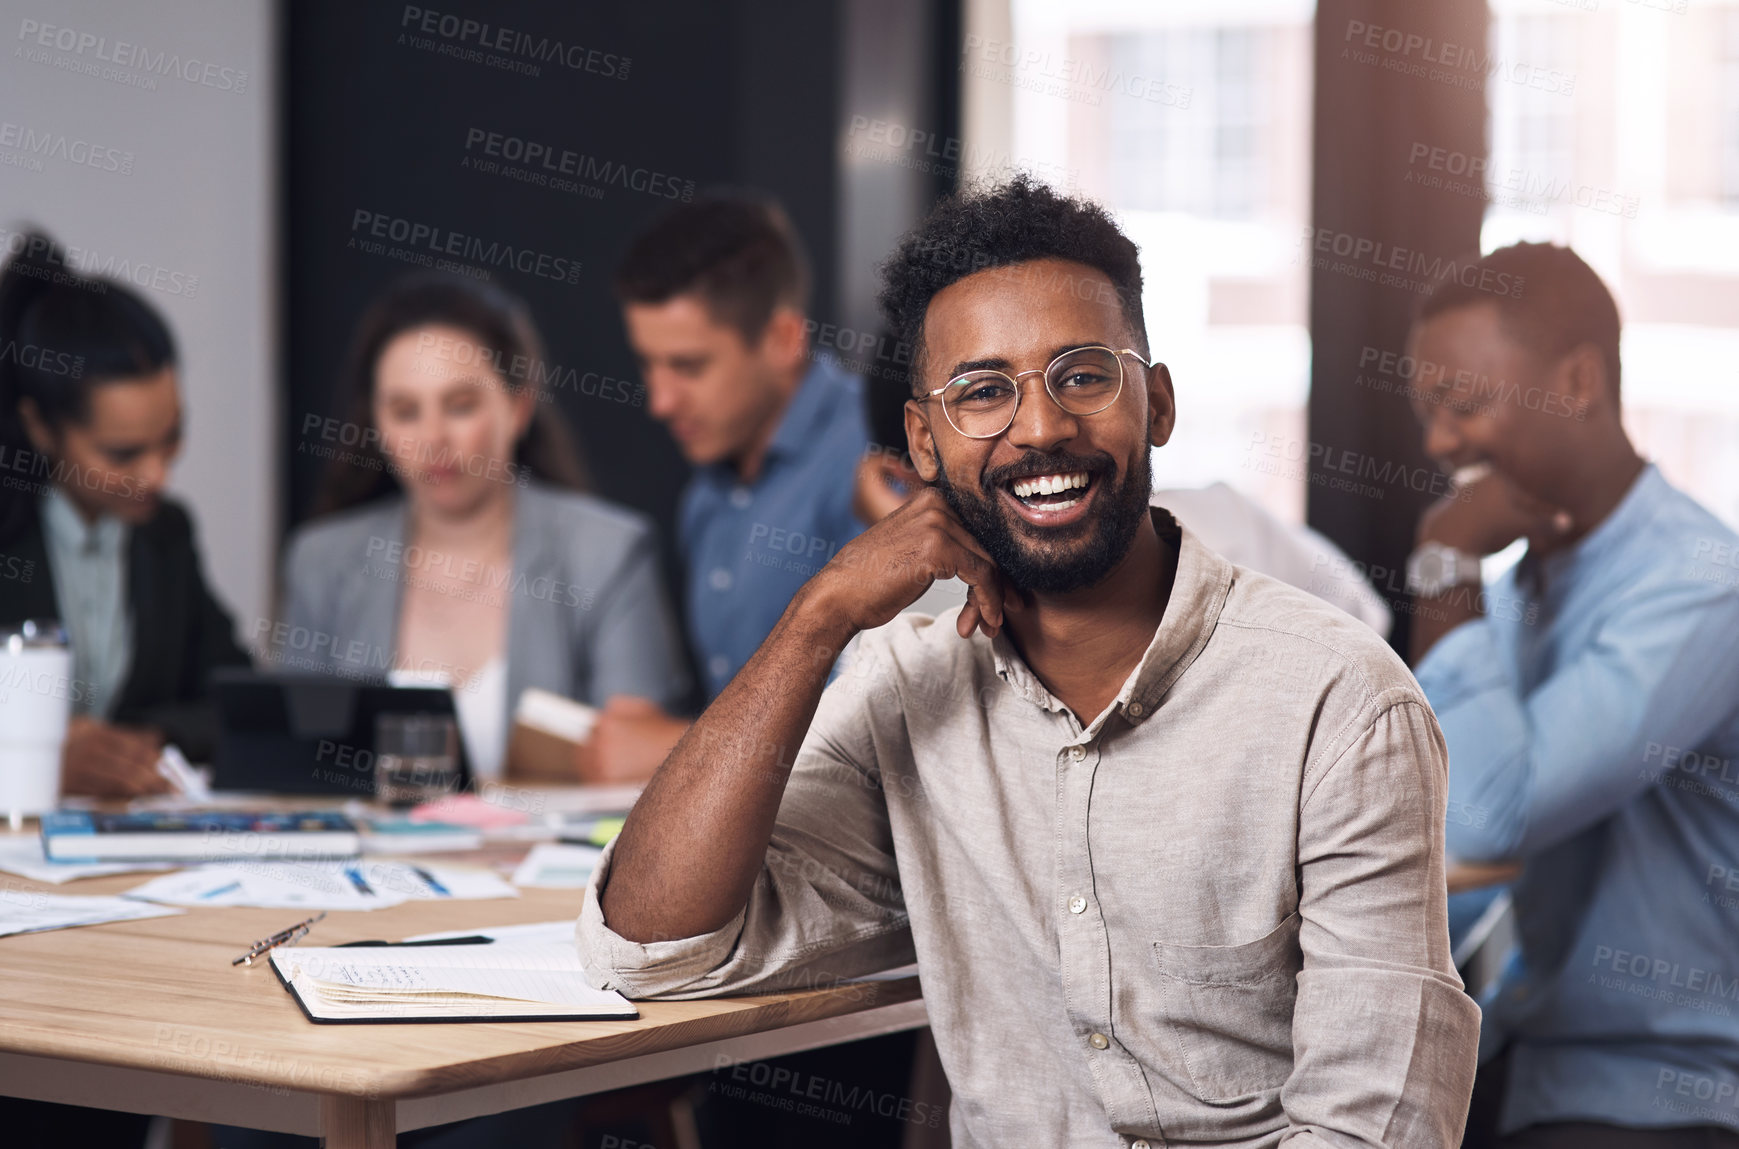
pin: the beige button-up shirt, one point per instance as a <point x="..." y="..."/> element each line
<point x="1214" y="913"/>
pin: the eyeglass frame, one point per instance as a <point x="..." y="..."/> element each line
<point x="1045" y="374"/>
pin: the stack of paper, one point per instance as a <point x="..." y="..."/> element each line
<point x="557" y="865"/>
<point x="368" y="884"/>
<point x="526" y="982"/>
<point x="27" y="912"/>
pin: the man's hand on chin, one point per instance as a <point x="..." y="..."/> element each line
<point x="884" y="570"/>
<point x="1484" y="516"/>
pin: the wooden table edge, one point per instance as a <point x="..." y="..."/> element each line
<point x="370" y="1122"/>
<point x="765" y="1013"/>
<point x="791" y="1010"/>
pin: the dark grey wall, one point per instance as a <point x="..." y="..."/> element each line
<point x="704" y="92"/>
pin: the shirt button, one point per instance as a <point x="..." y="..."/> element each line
<point x="718" y="666"/>
<point x="741" y="497"/>
<point x="1136" y="710"/>
<point x="720" y="578"/>
<point x="1099" y="1041"/>
<point x="1077" y="752"/>
<point x="1077" y="904"/>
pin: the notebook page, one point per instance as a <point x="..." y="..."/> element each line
<point x="389" y="985"/>
<point x="539" y="974"/>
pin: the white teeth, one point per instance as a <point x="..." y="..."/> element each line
<point x="1049" y="484"/>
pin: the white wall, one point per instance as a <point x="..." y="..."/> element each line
<point x="197" y="202"/>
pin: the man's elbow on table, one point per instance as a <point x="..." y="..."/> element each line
<point x="643" y="967"/>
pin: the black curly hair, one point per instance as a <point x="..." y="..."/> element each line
<point x="1015" y="222"/>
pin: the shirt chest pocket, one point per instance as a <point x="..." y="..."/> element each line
<point x="1228" y="1011"/>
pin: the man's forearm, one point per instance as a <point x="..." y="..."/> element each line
<point x="1437" y="615"/>
<point x="691" y="850"/>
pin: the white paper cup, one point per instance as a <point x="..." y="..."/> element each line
<point x="35" y="704"/>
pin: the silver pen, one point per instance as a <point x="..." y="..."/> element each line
<point x="282" y="937"/>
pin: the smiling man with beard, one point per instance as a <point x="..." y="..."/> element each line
<point x="1165" y="838"/>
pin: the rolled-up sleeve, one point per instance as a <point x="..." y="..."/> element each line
<point x="826" y="906"/>
<point x="1384" y="1038"/>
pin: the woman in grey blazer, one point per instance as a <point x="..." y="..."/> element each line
<point x="456" y="541"/>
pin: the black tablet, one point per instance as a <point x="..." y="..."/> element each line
<point x="310" y="733"/>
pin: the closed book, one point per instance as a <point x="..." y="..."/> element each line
<point x="226" y="836"/>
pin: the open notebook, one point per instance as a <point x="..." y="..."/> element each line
<point x="496" y="982"/>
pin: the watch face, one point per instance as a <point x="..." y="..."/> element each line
<point x="1435" y="568"/>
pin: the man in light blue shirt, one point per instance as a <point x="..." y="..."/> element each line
<point x="1590" y="702"/>
<point x="750" y="543"/>
<point x="714" y="297"/>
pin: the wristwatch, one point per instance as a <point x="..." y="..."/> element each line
<point x="1434" y="568"/>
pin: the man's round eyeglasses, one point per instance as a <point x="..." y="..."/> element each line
<point x="1082" y="381"/>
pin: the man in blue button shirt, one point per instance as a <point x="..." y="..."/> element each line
<point x="1590" y="702"/>
<point x="714" y="298"/>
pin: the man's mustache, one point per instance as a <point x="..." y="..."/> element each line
<point x="1037" y="463"/>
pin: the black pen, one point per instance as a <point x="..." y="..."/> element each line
<point x="468" y="940"/>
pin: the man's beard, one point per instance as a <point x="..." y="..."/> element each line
<point x="1069" y="558"/>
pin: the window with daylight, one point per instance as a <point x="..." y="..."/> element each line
<point x="1209" y="163"/>
<point x="1191" y="121"/>
<point x="1637" y="168"/>
<point x="1730" y="111"/>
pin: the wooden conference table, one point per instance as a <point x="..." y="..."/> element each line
<point x="150" y="1017"/>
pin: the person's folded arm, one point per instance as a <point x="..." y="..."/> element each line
<point x="825" y="906"/>
<point x="1530" y="770"/>
<point x="1384" y="1038"/>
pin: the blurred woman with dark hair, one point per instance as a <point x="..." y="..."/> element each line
<point x="457" y="538"/>
<point x="90" y="424"/>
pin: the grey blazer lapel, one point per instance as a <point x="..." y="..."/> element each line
<point x="537" y="638"/>
<point x="371" y="602"/>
